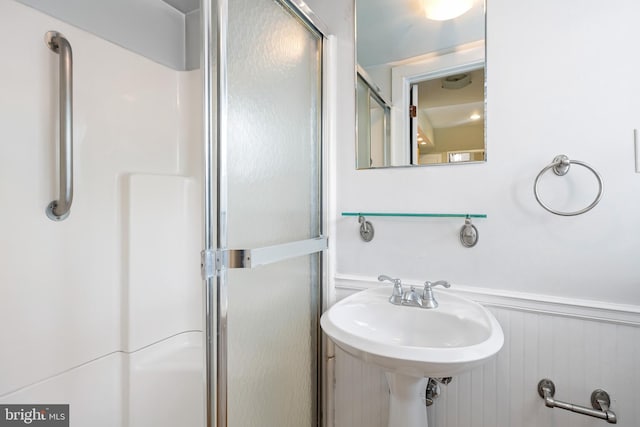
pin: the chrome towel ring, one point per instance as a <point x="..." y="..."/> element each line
<point x="560" y="167"/>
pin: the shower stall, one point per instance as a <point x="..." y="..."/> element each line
<point x="162" y="258"/>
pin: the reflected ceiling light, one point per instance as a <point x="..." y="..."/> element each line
<point x="474" y="116"/>
<point x="423" y="143"/>
<point x="442" y="10"/>
<point x="456" y="81"/>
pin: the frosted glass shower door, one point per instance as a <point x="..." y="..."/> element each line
<point x="270" y="213"/>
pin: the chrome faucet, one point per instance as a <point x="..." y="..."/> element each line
<point x="411" y="298"/>
<point x="428" y="300"/>
<point x="396" y="295"/>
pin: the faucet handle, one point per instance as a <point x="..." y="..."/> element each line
<point x="382" y="278"/>
<point x="428" y="285"/>
<point x="428" y="301"/>
<point x="396" y="295"/>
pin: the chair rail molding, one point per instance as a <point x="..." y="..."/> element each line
<point x="622" y="314"/>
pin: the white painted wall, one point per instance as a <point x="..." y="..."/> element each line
<point x="88" y="305"/>
<point x="557" y="83"/>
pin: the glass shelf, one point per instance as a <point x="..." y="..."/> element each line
<point x="419" y="215"/>
<point x="468" y="233"/>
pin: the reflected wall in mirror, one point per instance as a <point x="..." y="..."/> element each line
<point x="406" y="58"/>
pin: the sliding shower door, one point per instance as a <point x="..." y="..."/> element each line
<point x="266" y="278"/>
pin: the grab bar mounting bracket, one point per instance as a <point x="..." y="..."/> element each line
<point x="600" y="400"/>
<point x="50" y="211"/>
<point x="548" y="385"/>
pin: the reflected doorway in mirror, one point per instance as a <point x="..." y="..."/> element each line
<point x="448" y="124"/>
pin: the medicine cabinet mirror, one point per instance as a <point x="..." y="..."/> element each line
<point x="421" y="91"/>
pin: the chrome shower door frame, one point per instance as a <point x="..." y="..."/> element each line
<point x="217" y="258"/>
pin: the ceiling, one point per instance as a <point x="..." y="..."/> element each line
<point x="184" y="6"/>
<point x="452" y="107"/>
<point x="394" y="30"/>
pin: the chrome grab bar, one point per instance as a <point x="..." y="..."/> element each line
<point x="599" y="400"/>
<point x="58" y="210"/>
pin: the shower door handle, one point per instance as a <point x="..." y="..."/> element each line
<point x="251" y="258"/>
<point x="58" y="209"/>
<point x="213" y="260"/>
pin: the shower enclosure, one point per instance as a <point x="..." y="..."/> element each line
<point x="264" y="271"/>
<point x="184" y="285"/>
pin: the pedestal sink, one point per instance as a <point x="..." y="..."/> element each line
<point x="412" y="343"/>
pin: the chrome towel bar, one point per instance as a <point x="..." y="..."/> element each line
<point x="560" y="167"/>
<point x="600" y="402"/>
<point x="58" y="209"/>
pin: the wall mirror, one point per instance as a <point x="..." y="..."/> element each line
<point x="421" y="91"/>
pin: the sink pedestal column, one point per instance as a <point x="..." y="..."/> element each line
<point x="407" y="400"/>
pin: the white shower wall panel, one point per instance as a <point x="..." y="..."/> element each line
<point x="93" y="392"/>
<point x="127" y="389"/>
<point x="165" y="384"/>
<point x="65" y="286"/>
<point x="162" y="283"/>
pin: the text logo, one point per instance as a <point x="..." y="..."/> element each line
<point x="34" y="415"/>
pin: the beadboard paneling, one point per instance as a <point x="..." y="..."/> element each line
<point x="578" y="354"/>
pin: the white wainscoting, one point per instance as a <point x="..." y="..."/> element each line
<point x="580" y="345"/>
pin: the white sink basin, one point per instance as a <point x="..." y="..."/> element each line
<point x="458" y="335"/>
<point x="411" y="343"/>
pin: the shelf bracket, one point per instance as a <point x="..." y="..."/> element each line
<point x="468" y="234"/>
<point x="366" y="229"/>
